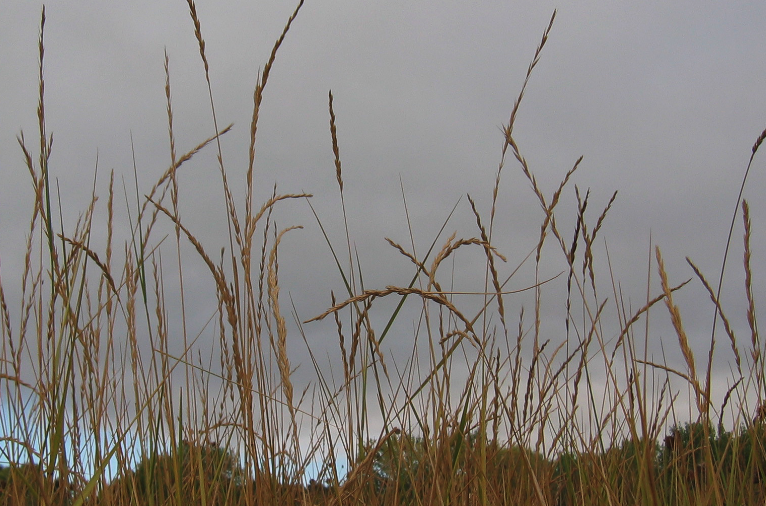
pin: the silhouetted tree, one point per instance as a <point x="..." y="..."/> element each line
<point x="188" y="473"/>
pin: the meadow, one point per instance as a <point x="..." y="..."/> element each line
<point x="489" y="406"/>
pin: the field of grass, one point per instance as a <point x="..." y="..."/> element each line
<point x="489" y="408"/>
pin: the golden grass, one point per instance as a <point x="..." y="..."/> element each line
<point x="484" y="410"/>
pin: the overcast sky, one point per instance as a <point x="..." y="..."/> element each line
<point x="663" y="99"/>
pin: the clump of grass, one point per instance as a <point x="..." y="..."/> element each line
<point x="487" y="409"/>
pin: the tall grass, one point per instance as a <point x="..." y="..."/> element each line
<point x="491" y="407"/>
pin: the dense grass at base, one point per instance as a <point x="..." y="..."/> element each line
<point x="91" y="414"/>
<point x="404" y="470"/>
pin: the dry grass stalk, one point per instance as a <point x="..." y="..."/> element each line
<point x="447" y="250"/>
<point x="257" y="99"/>
<point x="724" y="319"/>
<point x="490" y="262"/>
<point x="420" y="265"/>
<point x="282" y="359"/>
<point x="335" y="150"/>
<point x="683" y="340"/>
<point x="751" y="318"/>
<point x="373" y="294"/>
<point x="589" y="238"/>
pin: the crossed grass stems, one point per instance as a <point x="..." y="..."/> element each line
<point x="501" y="439"/>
